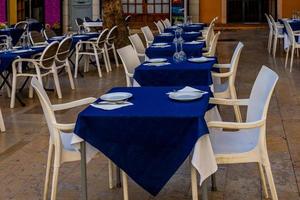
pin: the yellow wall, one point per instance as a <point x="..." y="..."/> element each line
<point x="288" y="6"/>
<point x="209" y="9"/>
<point x="12" y="12"/>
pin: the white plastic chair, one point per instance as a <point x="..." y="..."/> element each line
<point x="213" y="46"/>
<point x="93" y="48"/>
<point x="138" y="46"/>
<point x="227" y="89"/>
<point x="270" y="33"/>
<point x="277" y="34"/>
<point x="130" y="61"/>
<point x="37" y="38"/>
<point x="39" y="68"/>
<point x="111" y="45"/>
<point x="160" y="27"/>
<point x="166" y="23"/>
<point x="21" y="25"/>
<point x="60" y="136"/>
<point x="248" y="145"/>
<point x="149" y="37"/>
<point x="2" y="126"/>
<point x="294" y="45"/>
<point x="208" y="37"/>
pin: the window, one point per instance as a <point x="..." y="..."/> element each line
<point x="146" y="6"/>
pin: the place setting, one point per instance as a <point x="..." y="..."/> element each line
<point x="115" y="100"/>
<point x="156" y="62"/>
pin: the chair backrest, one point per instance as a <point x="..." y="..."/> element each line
<point x="161" y="26"/>
<point x="79" y="22"/>
<point x="21" y="25"/>
<point x="87" y="19"/>
<point x="48" y="56"/>
<point x="289" y="30"/>
<point x="261" y="94"/>
<point x="129" y="58"/>
<point x="64" y="49"/>
<point x="127" y="19"/>
<point x="47" y="109"/>
<point x="102" y="38"/>
<point x="167" y="23"/>
<point x="160" y="30"/>
<point x="210" y="35"/>
<point x="213" y="46"/>
<point x="37" y="37"/>
<point x="49" y="33"/>
<point x="235" y="62"/>
<point x="149" y="37"/>
<point x="112" y="34"/>
<point x="275" y="29"/>
<point x="137" y="44"/>
<point x="269" y="22"/>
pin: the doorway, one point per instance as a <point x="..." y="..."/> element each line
<point x="79" y="9"/>
<point x="249" y="11"/>
<point x="145" y="12"/>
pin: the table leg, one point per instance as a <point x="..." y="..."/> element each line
<point x="83" y="171"/>
<point x="214" y="183"/>
<point x="204" y="192"/>
<point x="73" y="64"/>
<point x="118" y="177"/>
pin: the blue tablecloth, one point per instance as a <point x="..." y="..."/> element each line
<point x="149" y="140"/>
<point x="6" y="58"/>
<point x="35" y="26"/>
<point x="188" y="28"/>
<point x="15" y="34"/>
<point x="175" y="74"/>
<point x="187" y="37"/>
<point x="191" y="50"/>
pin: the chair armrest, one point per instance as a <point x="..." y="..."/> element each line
<point x="229" y="102"/>
<point x="236" y="125"/>
<point x="222" y="66"/>
<point x="129" y="75"/>
<point x="221" y="75"/>
<point x="64" y="127"/>
<point x="73" y="104"/>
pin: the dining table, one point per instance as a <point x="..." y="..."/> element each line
<point x="191" y="49"/>
<point x="171" y="73"/>
<point x="295" y="25"/>
<point x="186" y="28"/>
<point x="14" y="33"/>
<point x="150" y="136"/>
<point x="169" y="37"/>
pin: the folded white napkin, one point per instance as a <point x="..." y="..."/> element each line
<point x="165" y="46"/>
<point x="190" y="89"/>
<point x="194" y="42"/>
<point x="111" y="106"/>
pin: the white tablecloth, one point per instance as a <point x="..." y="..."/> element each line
<point x="93" y="24"/>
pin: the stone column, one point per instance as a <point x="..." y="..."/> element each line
<point x="96" y="9"/>
<point x="65" y="15"/>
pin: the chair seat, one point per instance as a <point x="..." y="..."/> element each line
<point x="234" y="142"/>
<point x="218" y="88"/>
<point x="66" y="139"/>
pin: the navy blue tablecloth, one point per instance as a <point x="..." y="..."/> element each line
<point x="191" y="50"/>
<point x="6" y="58"/>
<point x="175" y="74"/>
<point x="15" y="34"/>
<point x="187" y="28"/>
<point x="149" y="140"/>
<point x="168" y="39"/>
<point x="76" y="38"/>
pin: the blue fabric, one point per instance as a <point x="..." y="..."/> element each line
<point x="175" y="74"/>
<point x="188" y="28"/>
<point x="169" y="39"/>
<point x="35" y="26"/>
<point x="6" y="58"/>
<point x="191" y="50"/>
<point x="149" y="140"/>
<point x="15" y="34"/>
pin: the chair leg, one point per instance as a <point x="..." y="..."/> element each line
<point x="46" y="186"/>
<point x="125" y="185"/>
<point x="30" y="91"/>
<point x="263" y="180"/>
<point x="115" y="55"/>
<point x="76" y="65"/>
<point x="68" y="68"/>
<point x="56" y="82"/>
<point x="86" y="63"/>
<point x="13" y="91"/>
<point x="98" y="64"/>
<point x="110" y="174"/>
<point x="292" y="59"/>
<point x="54" y="182"/>
<point x="107" y="57"/>
<point x="271" y="181"/>
<point x="270" y="42"/>
<point x="287" y="57"/>
<point x="194" y="184"/>
<point x="275" y="46"/>
<point x="105" y="61"/>
<point x="2" y="127"/>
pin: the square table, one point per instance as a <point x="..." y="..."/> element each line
<point x="175" y="74"/>
<point x="187" y="36"/>
<point x="150" y="139"/>
<point x="186" y="28"/>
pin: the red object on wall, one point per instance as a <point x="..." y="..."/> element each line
<point x="2" y="11"/>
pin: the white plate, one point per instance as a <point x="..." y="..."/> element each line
<point x="160" y="44"/>
<point x="185" y="96"/>
<point x="79" y="36"/>
<point x="22" y="51"/>
<point x="39" y="46"/>
<point x="116" y="96"/>
<point x="166" y="34"/>
<point x="157" y="60"/>
<point x="57" y="37"/>
<point x="157" y="64"/>
<point x="194" y="42"/>
<point x="191" y="32"/>
<point x="92" y="33"/>
<point x="200" y="59"/>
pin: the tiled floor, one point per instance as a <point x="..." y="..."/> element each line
<point x="23" y="149"/>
